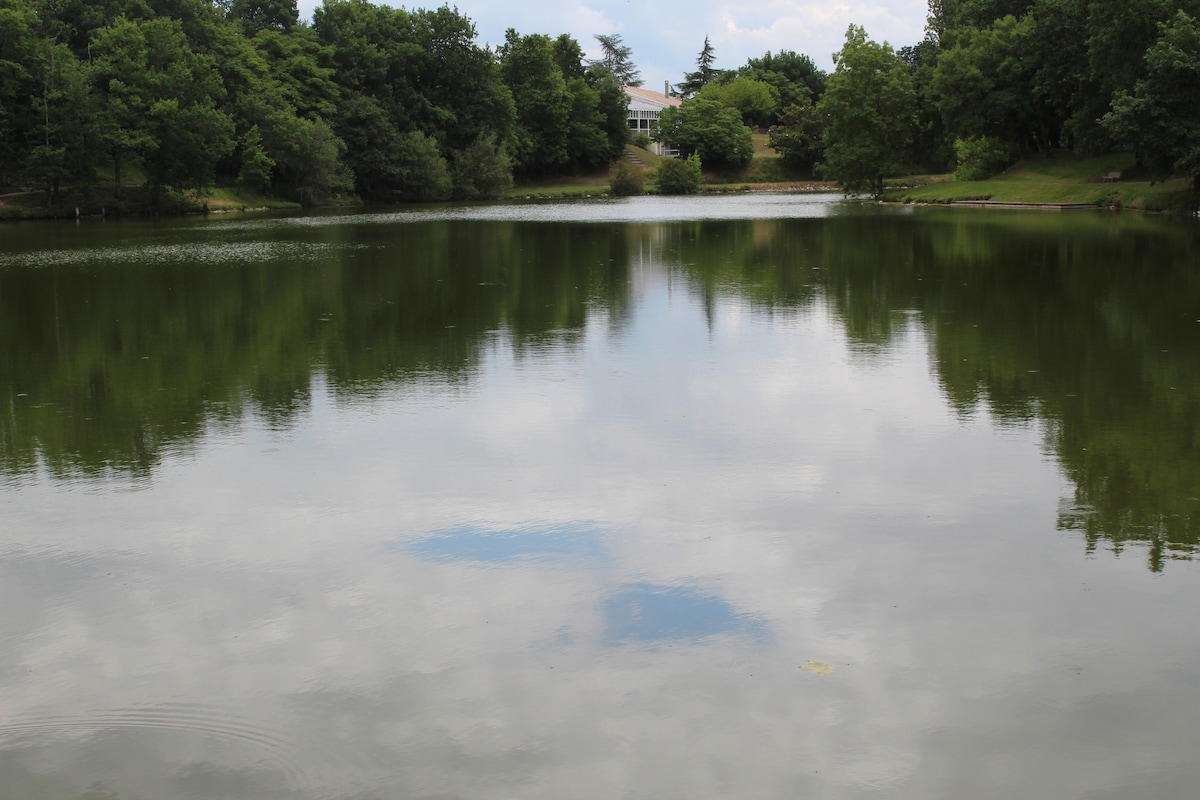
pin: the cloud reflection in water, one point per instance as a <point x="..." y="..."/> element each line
<point x="633" y="613"/>
<point x="570" y="541"/>
<point x="645" y="612"/>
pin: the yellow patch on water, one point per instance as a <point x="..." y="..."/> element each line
<point x="817" y="667"/>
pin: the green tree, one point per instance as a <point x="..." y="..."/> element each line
<point x="543" y="103"/>
<point x="794" y="76"/>
<point x="268" y="126"/>
<point x="708" y="129"/>
<point x="160" y="99"/>
<point x="1116" y="35"/>
<point x="589" y="147"/>
<point x="983" y="86"/>
<point x="930" y="147"/>
<point x="1160" y="118"/>
<point x="869" y="104"/>
<point x="799" y="137"/>
<point x="942" y="17"/>
<point x="19" y="49"/>
<point x="464" y="94"/>
<point x="296" y="62"/>
<point x="256" y="15"/>
<point x="373" y="53"/>
<point x="598" y="108"/>
<point x="617" y="58"/>
<point x="389" y="164"/>
<point x="61" y="143"/>
<point x="568" y="55"/>
<point x="613" y="105"/>
<point x="983" y="13"/>
<point x="980" y="157"/>
<point x="705" y="72"/>
<point x="757" y="101"/>
<point x="424" y="175"/>
<point x="482" y="170"/>
<point x="255" y="172"/>
<point x="319" y="172"/>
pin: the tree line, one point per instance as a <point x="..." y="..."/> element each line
<point x="991" y="82"/>
<point x="994" y="81"/>
<point x="396" y="104"/>
<point x="382" y="102"/>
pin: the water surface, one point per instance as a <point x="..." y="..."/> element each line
<point x="759" y="496"/>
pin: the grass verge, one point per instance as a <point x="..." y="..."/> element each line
<point x="101" y="200"/>
<point x="1060" y="179"/>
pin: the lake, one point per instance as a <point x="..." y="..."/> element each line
<point x="754" y="496"/>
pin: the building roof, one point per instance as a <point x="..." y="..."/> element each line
<point x="657" y="98"/>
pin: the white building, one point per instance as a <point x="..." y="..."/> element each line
<point x="644" y="107"/>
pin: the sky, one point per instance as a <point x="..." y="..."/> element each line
<point x="666" y="39"/>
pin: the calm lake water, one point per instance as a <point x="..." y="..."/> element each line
<point x="750" y="497"/>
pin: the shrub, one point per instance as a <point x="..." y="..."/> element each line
<point x="642" y="140"/>
<point x="981" y="157"/>
<point x="678" y="175"/>
<point x="626" y="179"/>
<point x="481" y="171"/>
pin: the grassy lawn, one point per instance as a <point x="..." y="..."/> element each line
<point x="228" y="198"/>
<point x="1059" y="179"/>
<point x="583" y="185"/>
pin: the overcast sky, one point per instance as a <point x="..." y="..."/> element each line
<point x="666" y="38"/>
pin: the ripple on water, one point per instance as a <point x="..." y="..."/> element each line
<point x="259" y="748"/>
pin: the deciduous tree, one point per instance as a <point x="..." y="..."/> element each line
<point x="794" y="75"/>
<point x="709" y="129"/>
<point x="1160" y="118"/>
<point x="870" y="104"/>
<point x="798" y="137"/>
<point x="756" y="101"/>
<point x="160" y="100"/>
<point x="542" y="101"/>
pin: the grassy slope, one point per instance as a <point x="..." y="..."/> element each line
<point x="766" y="171"/>
<point x="1060" y="179"/>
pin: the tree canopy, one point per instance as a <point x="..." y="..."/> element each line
<point x="709" y="129"/>
<point x="870" y="105"/>
<point x="394" y="103"/>
<point x="617" y="58"/>
<point x="1160" y="118"/>
<point x="389" y="103"/>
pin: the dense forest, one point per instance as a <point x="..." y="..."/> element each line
<point x="394" y="104"/>
<point x="998" y="80"/>
<point x="373" y="100"/>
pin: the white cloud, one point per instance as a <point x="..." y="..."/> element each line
<point x="665" y="43"/>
